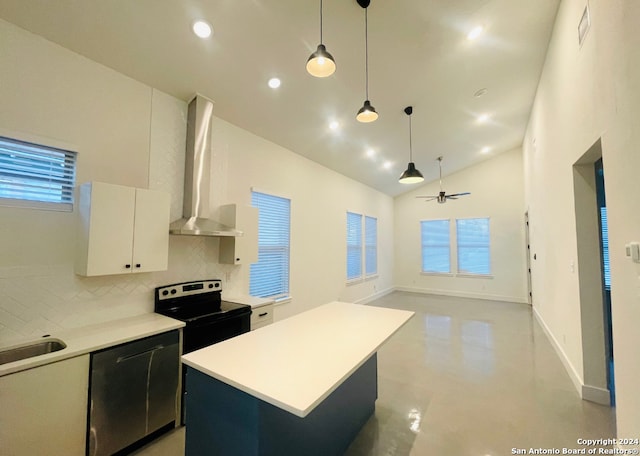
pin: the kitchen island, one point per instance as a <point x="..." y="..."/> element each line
<point x="303" y="385"/>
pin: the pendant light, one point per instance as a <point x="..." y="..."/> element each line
<point x="367" y="113"/>
<point x="411" y="175"/>
<point x="321" y="64"/>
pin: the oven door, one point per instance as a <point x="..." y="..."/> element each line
<point x="206" y="331"/>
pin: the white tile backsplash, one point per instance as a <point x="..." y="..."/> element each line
<point x="43" y="300"/>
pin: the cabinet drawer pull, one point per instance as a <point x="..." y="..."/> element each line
<point x="128" y="266"/>
<point x="138" y="265"/>
<point x="263" y="314"/>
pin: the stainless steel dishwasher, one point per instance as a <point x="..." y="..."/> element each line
<point x="133" y="392"/>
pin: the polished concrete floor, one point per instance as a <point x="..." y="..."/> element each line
<point x="465" y="377"/>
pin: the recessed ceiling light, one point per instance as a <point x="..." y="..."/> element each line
<point x="371" y="153"/>
<point x="274" y="83"/>
<point x="334" y="125"/>
<point x="475" y="33"/>
<point x="485" y="150"/>
<point x="482" y="118"/>
<point x="387" y="165"/>
<point x="202" y="29"/>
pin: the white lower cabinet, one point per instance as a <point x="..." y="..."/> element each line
<point x="261" y="316"/>
<point x="44" y="409"/>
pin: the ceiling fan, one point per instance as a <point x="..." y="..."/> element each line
<point x="442" y="197"/>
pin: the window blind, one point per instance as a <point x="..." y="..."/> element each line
<point x="435" y="246"/>
<point x="605" y="248"/>
<point x="36" y="176"/>
<point x="354" y="246"/>
<point x="370" y="245"/>
<point x="473" y="246"/>
<point x="269" y="277"/>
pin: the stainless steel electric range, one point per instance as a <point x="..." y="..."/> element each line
<point x="208" y="318"/>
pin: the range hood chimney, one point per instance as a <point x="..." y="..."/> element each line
<point x="196" y="219"/>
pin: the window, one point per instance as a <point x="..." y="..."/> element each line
<point x="269" y="277"/>
<point x="605" y="248"/>
<point x="473" y="246"/>
<point x="36" y="176"/>
<point x="370" y="245"/>
<point x="436" y="255"/>
<point x="354" y="246"/>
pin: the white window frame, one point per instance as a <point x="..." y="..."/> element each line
<point x="283" y="231"/>
<point x="36" y="173"/>
<point x="424" y="247"/>
<point x="354" y="246"/>
<point x="362" y="245"/>
<point x="460" y="248"/>
<point x="370" y="246"/>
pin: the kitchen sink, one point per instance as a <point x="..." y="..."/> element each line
<point x="29" y="350"/>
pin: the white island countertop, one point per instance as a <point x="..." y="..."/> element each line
<point x="296" y="363"/>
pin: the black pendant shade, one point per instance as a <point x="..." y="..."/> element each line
<point x="321" y="64"/>
<point x="411" y="174"/>
<point x="367" y="113"/>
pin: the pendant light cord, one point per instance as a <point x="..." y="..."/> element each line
<point x="321" y="22"/>
<point x="366" y="53"/>
<point x="410" y="143"/>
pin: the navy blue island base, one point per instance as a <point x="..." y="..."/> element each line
<point x="224" y="421"/>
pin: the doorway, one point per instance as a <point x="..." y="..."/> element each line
<point x="592" y="270"/>
<point x="606" y="276"/>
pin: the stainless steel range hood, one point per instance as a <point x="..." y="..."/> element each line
<point x="196" y="219"/>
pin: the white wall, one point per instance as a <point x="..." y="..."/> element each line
<point x="588" y="92"/>
<point x="497" y="192"/>
<point x="128" y="133"/>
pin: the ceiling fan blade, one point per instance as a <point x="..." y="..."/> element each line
<point x="451" y="197"/>
<point x="458" y="194"/>
<point x="427" y="196"/>
<point x="431" y="199"/>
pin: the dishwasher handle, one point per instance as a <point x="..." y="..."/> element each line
<point x="142" y="353"/>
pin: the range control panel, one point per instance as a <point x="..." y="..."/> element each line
<point x="179" y="290"/>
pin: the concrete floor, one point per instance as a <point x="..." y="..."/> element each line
<point x="465" y="377"/>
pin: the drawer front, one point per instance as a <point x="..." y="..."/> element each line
<point x="261" y="316"/>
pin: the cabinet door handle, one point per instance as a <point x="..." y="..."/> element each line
<point x="128" y="266"/>
<point x="263" y="314"/>
<point x="137" y="265"/>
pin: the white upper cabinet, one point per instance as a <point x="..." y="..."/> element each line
<point x="121" y="230"/>
<point x="242" y="249"/>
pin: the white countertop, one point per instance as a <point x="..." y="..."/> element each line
<point x="252" y="301"/>
<point x="95" y="337"/>
<point x="296" y="363"/>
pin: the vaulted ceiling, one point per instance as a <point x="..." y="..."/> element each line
<point x="419" y="55"/>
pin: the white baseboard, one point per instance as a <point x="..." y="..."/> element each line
<point x="375" y="296"/>
<point x="573" y="374"/>
<point x="596" y="394"/>
<point x="464" y="294"/>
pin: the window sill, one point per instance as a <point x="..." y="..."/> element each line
<point x="438" y="274"/>
<point x="474" y="276"/>
<point x="362" y="279"/>
<point x="281" y="301"/>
